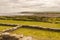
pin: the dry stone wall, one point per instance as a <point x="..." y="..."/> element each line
<point x="17" y="26"/>
<point x="5" y="35"/>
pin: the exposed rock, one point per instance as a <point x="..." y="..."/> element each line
<point x="8" y="36"/>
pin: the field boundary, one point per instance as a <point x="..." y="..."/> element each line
<point x="17" y="26"/>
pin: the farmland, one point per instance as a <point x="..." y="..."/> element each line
<point x="4" y="27"/>
<point x="36" y="33"/>
<point x="43" y="24"/>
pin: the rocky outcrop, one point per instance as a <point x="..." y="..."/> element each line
<point x="8" y="36"/>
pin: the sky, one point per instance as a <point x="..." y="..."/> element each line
<point x="10" y="6"/>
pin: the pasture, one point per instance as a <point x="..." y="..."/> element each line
<point x="36" y="33"/>
<point x="43" y="24"/>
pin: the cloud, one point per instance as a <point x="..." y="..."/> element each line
<point x="29" y="5"/>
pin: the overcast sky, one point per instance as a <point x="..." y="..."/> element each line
<point x="7" y="6"/>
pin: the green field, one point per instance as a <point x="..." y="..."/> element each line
<point x="43" y="24"/>
<point x="36" y="33"/>
<point x="4" y="27"/>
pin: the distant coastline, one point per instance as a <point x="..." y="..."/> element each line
<point x="41" y="14"/>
